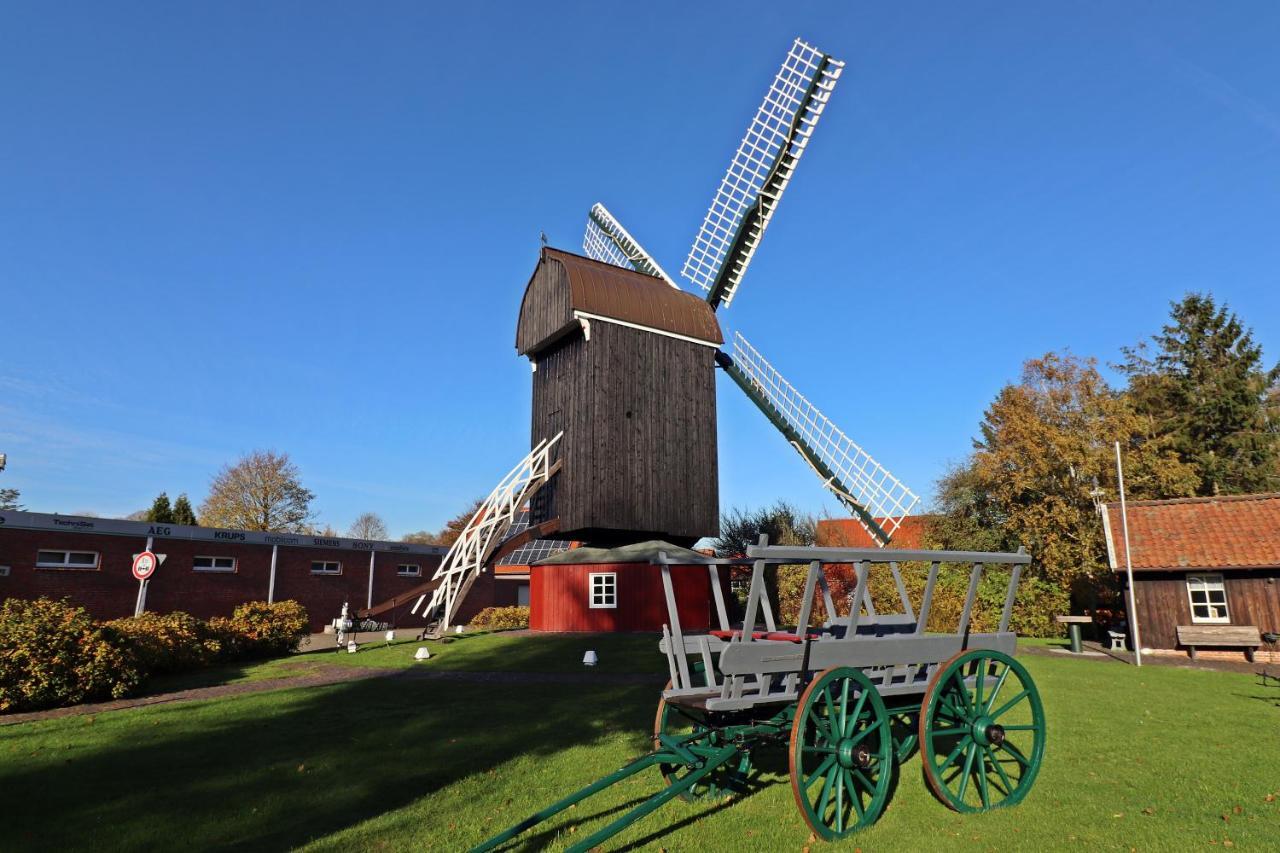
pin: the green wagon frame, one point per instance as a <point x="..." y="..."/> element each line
<point x="850" y="698"/>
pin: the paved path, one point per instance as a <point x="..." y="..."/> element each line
<point x="1097" y="652"/>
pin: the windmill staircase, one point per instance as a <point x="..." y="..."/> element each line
<point x="482" y="540"/>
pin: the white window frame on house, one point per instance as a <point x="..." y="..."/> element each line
<point x="1206" y="586"/>
<point x="216" y="565"/>
<point x="602" y="590"/>
<point x="408" y="570"/>
<point x="324" y="570"/>
<point x="65" y="564"/>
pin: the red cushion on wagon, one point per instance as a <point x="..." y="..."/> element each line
<point x="761" y="635"/>
<point x="735" y="634"/>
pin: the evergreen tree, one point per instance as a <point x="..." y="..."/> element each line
<point x="1202" y="384"/>
<point x="182" y="511"/>
<point x="9" y="500"/>
<point x="161" y="512"/>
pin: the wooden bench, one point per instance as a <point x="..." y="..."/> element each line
<point x="1246" y="637"/>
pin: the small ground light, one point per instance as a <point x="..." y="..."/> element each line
<point x="590" y="659"/>
<point x="351" y="647"/>
<point x="423" y="653"/>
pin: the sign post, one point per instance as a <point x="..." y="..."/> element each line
<point x="144" y="566"/>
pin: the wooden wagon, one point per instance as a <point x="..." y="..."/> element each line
<point x="850" y="697"/>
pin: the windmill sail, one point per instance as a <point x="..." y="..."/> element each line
<point x="606" y="240"/>
<point x="875" y="497"/>
<point x="760" y="171"/>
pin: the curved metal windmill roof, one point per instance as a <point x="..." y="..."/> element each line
<point x="566" y="288"/>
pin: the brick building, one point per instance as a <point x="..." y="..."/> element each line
<point x="208" y="571"/>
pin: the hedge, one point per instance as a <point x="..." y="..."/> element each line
<point x="501" y="618"/>
<point x="1036" y="603"/>
<point x="53" y="653"/>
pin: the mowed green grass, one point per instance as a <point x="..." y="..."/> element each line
<point x="1153" y="759"/>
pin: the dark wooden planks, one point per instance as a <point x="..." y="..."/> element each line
<point x="638" y="412"/>
<point x="1253" y="598"/>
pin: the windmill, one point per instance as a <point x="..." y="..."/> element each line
<point x="741" y="209"/>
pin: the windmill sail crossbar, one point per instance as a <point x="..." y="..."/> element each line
<point x="760" y="171"/>
<point x="606" y="240"/>
<point x="485" y="531"/>
<point x="876" y="498"/>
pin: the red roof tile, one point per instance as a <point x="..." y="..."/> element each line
<point x="849" y="533"/>
<point x="1240" y="532"/>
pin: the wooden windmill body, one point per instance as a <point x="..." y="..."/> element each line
<point x="624" y="367"/>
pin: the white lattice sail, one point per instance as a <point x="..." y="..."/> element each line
<point x="760" y="171"/>
<point x="877" y="499"/>
<point x="606" y="240"/>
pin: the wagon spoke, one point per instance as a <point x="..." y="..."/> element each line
<point x="946" y="762"/>
<point x="840" y="801"/>
<point x="968" y="768"/>
<point x="962" y="692"/>
<point x="826" y="792"/>
<point x="1020" y="728"/>
<point x="979" y="676"/>
<point x="991" y="700"/>
<point x="1016" y="753"/>
<point x="862" y="734"/>
<point x="983" y="791"/>
<point x="995" y="715"/>
<point x="1004" y="777"/>
<point x="854" y="796"/>
<point x="857" y="712"/>
<point x="822" y="770"/>
<point x="832" y="731"/>
<point x="823" y="750"/>
<point x="844" y="707"/>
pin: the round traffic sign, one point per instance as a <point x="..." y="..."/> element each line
<point x="144" y="565"/>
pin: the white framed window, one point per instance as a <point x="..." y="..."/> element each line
<point x="213" y="564"/>
<point x="409" y="570"/>
<point x="604" y="589"/>
<point x="4" y="571"/>
<point x="326" y="567"/>
<point x="81" y="560"/>
<point x="1208" y="598"/>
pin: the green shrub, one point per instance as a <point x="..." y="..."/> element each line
<point x="52" y="653"/>
<point x="169" y="642"/>
<point x="501" y="618"/>
<point x="259" y="629"/>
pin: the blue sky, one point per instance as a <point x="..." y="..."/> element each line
<point x="307" y="226"/>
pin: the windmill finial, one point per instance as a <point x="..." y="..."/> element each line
<point x="543" y="236"/>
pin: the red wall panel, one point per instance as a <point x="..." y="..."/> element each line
<point x="559" y="598"/>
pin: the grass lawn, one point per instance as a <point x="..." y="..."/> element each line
<point x="1157" y="758"/>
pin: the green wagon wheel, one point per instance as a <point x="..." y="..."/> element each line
<point x="841" y="753"/>
<point x="982" y="732"/>
<point x="729" y="778"/>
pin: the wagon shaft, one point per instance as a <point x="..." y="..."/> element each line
<point x="688" y="760"/>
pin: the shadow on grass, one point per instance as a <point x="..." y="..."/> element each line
<point x="277" y="769"/>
